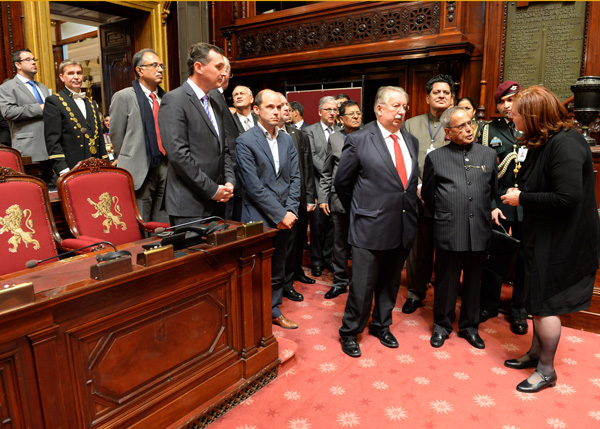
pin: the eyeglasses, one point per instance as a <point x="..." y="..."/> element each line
<point x="154" y="66"/>
<point x="464" y="125"/>
<point x="353" y="114"/>
<point x="330" y="110"/>
<point x="27" y="60"/>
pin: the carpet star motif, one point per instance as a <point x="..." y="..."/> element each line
<point x="291" y="371"/>
<point x="319" y="407"/>
<point x="299" y="424"/>
<point x="574" y="339"/>
<point x="328" y="303"/>
<point x="348" y="419"/>
<point x="477" y="352"/>
<point x="499" y="371"/>
<point x="327" y="367"/>
<point x="441" y="406"/>
<point x="313" y="331"/>
<point x="247" y="427"/>
<point x="565" y="389"/>
<point x="556" y="423"/>
<point x="397" y="310"/>
<point x="422" y="381"/>
<point x="595" y="381"/>
<point x="597" y="355"/>
<point x="405" y="359"/>
<point x="484" y="401"/>
<point x="490" y="331"/>
<point x="320" y="292"/>
<point x="287" y="353"/>
<point x="475" y="418"/>
<point x="395" y="413"/>
<point x="380" y="385"/>
<point x="302" y="304"/>
<point x="569" y="361"/>
<point x="510" y="427"/>
<point x="442" y="355"/>
<point x="411" y="322"/>
<point x="424" y="337"/>
<point x="307" y="316"/>
<point x="461" y="376"/>
<point x="510" y="347"/>
<point x="319" y="347"/>
<point x="366" y="363"/>
<point x="291" y="395"/>
<point x="279" y="334"/>
<point x="594" y="414"/>
<point x="337" y="390"/>
<point x="339" y="314"/>
<point x="248" y="401"/>
<point x="365" y="401"/>
<point x="525" y="397"/>
<point x="518" y="411"/>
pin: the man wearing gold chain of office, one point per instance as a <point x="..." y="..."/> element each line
<point x="72" y="123"/>
<point x="500" y="135"/>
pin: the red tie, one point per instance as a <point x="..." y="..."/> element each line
<point x="155" y="107"/>
<point x="400" y="167"/>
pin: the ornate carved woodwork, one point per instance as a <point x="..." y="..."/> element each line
<point x="14" y="37"/>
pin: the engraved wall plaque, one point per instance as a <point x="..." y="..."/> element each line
<point x="544" y="44"/>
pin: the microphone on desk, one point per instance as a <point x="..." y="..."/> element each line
<point x="193" y="222"/>
<point x="100" y="258"/>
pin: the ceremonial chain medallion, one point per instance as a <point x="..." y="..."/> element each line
<point x="84" y="131"/>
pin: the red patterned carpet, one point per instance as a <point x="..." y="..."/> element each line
<point x="415" y="385"/>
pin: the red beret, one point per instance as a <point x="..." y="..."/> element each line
<point x="509" y="87"/>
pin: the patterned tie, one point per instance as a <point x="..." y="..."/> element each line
<point x="247" y="124"/>
<point x="400" y="166"/>
<point x="37" y="94"/>
<point x="155" y="107"/>
<point x="205" y="101"/>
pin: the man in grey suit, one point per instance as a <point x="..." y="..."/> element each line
<point x="200" y="174"/>
<point x="376" y="182"/>
<point x="321" y="226"/>
<point x="329" y="201"/>
<point x="135" y="135"/>
<point x="268" y="164"/>
<point x="22" y="102"/>
<point x="459" y="184"/>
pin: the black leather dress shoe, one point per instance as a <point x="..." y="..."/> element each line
<point x="437" y="339"/>
<point x="327" y="267"/>
<point x="486" y="314"/>
<point x="519" y="326"/>
<point x="302" y="278"/>
<point x="350" y="346"/>
<point x="386" y="337"/>
<point x="547" y="381"/>
<point x="292" y="295"/>
<point x="473" y="339"/>
<point x="316" y="270"/>
<point x="521" y="364"/>
<point x="334" y="292"/>
<point x="411" y="305"/>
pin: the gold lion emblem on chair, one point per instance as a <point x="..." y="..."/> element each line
<point x="103" y="208"/>
<point x="12" y="223"/>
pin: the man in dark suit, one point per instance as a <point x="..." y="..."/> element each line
<point x="308" y="194"/>
<point x="200" y="174"/>
<point x="500" y="135"/>
<point x="376" y="182"/>
<point x="72" y="122"/>
<point x="268" y="164"/>
<point x="4" y="132"/>
<point x="297" y="115"/>
<point x="329" y="201"/>
<point x="135" y="136"/>
<point x="321" y="226"/>
<point x="459" y="184"/>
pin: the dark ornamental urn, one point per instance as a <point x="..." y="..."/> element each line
<point x="587" y="103"/>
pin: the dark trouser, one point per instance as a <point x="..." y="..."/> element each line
<point x="491" y="283"/>
<point x="321" y="238"/>
<point x="374" y="273"/>
<point x="150" y="195"/>
<point x="233" y="207"/>
<point x="280" y="243"/>
<point x="419" y="265"/>
<point x="448" y="267"/>
<point x="293" y="260"/>
<point x="341" y="248"/>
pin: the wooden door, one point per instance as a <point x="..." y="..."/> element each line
<point x="117" y="47"/>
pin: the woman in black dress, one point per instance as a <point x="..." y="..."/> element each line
<point x="560" y="225"/>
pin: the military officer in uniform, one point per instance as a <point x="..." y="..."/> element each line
<point x="72" y="123"/>
<point x="500" y="135"/>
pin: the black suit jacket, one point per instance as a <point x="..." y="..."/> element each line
<point x="239" y="125"/>
<point x="308" y="193"/>
<point x="65" y="141"/>
<point x="383" y="213"/>
<point x="199" y="159"/>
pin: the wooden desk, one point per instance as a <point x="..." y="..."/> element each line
<point x="171" y="343"/>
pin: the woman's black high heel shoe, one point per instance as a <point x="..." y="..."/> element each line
<point x="547" y="381"/>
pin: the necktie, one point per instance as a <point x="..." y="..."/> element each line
<point x="37" y="94"/>
<point x="155" y="107"/>
<point x="205" y="102"/>
<point x="400" y="167"/>
<point x="247" y="124"/>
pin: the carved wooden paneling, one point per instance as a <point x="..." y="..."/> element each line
<point x="12" y="408"/>
<point x="13" y="34"/>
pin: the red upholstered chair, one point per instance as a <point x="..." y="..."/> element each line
<point x="11" y="158"/>
<point x="27" y="228"/>
<point x="98" y="200"/>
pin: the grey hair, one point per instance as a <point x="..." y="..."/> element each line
<point x="61" y="67"/>
<point x="447" y="115"/>
<point x="383" y="95"/>
<point x="138" y="57"/>
<point x="227" y="63"/>
<point x="327" y="99"/>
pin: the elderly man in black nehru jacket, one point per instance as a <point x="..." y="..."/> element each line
<point x="459" y="184"/>
<point x="500" y="134"/>
<point x="376" y="183"/>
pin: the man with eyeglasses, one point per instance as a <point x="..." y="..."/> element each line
<point x="329" y="202"/>
<point x="22" y="101"/>
<point x="428" y="130"/>
<point x="500" y="134"/>
<point x="321" y="226"/>
<point x="459" y="184"/>
<point x="72" y="122"/>
<point x="135" y="134"/>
